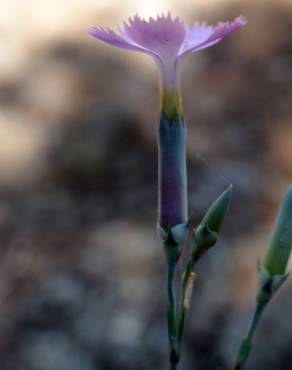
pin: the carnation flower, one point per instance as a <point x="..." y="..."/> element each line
<point x="167" y="41"/>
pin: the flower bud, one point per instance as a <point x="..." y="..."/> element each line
<point x="216" y="213"/>
<point x="278" y="253"/>
<point x="206" y="234"/>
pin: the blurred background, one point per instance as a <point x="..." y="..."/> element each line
<point x="82" y="275"/>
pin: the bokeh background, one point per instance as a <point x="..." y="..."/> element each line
<point x="82" y="275"/>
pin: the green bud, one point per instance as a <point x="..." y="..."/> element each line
<point x="206" y="234"/>
<point x="216" y="213"/>
<point x="203" y="239"/>
<point x="278" y="253"/>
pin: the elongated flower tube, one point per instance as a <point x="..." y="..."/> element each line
<point x="167" y="41"/>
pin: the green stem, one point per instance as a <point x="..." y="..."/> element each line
<point x="186" y="284"/>
<point x="172" y="317"/>
<point x="173" y="366"/>
<point x="246" y="344"/>
<point x="255" y="320"/>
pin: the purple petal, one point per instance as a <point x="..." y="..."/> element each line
<point x="166" y="40"/>
<point x="201" y="36"/>
<point x="112" y="38"/>
<point x="163" y="35"/>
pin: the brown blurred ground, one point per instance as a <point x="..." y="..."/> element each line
<point x="81" y="273"/>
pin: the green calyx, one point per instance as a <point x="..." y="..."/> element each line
<point x="279" y="250"/>
<point x="173" y="240"/>
<point x="268" y="284"/>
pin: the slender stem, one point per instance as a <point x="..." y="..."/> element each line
<point x="172" y="316"/>
<point x="173" y="366"/>
<point x="257" y="314"/>
<point x="183" y="305"/>
<point x="246" y="343"/>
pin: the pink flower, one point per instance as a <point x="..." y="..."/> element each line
<point x="167" y="40"/>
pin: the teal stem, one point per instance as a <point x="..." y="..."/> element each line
<point x="246" y="343"/>
<point x="172" y="316"/>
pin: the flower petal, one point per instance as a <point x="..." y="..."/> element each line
<point x="166" y="40"/>
<point x="201" y="36"/>
<point x="163" y="35"/>
<point x="119" y="40"/>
